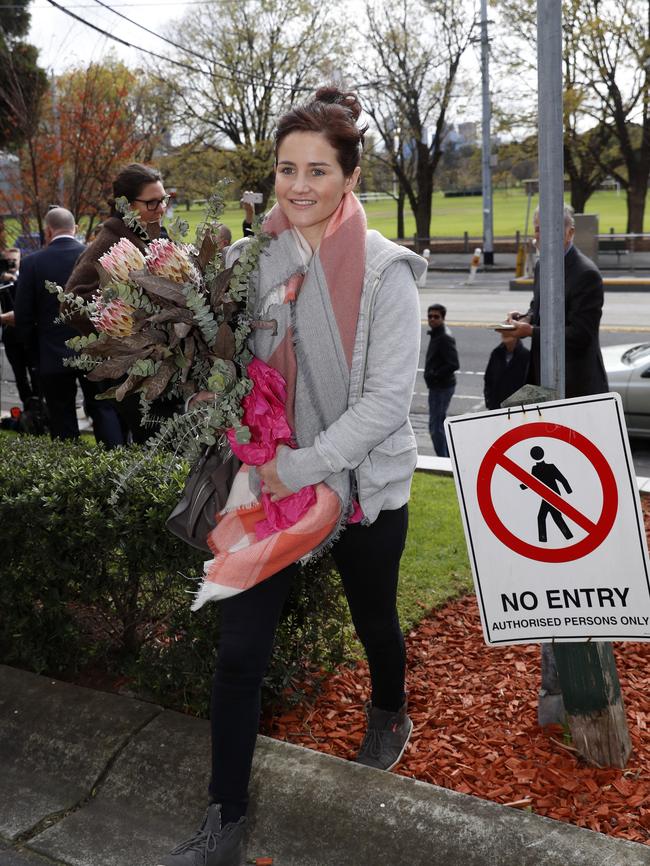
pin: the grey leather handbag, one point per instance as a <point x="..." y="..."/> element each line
<point x="204" y="495"/>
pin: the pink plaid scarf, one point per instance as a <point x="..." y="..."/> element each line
<point x="252" y="539"/>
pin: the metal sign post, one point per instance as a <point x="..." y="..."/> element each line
<point x="585" y="674"/>
<point x="486" y="155"/>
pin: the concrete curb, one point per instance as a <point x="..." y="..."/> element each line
<point x="138" y="773"/>
<point x="610" y="284"/>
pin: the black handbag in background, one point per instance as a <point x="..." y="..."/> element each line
<point x="204" y="495"/>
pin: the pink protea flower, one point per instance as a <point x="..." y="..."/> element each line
<point x="122" y="258"/>
<point x="170" y="260"/>
<point x="114" y="318"/>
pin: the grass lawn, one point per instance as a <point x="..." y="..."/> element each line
<point x="435" y="566"/>
<point x="454" y="216"/>
<point x="451" y="216"/>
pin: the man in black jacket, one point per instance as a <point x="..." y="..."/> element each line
<point x="35" y="313"/>
<point x="506" y="371"/>
<point x="583" y="306"/>
<point x="439" y="368"/>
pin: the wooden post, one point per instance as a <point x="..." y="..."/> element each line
<point x="593" y="702"/>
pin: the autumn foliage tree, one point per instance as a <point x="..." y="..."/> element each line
<point x="87" y="128"/>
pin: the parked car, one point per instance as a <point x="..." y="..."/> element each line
<point x="628" y="373"/>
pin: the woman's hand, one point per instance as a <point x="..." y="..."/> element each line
<point x="271" y="483"/>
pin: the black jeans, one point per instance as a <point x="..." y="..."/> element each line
<point x="23" y="370"/>
<point x="60" y="393"/>
<point x="367" y="558"/>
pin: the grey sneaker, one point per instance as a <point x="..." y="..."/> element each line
<point x="386" y="737"/>
<point x="210" y="845"/>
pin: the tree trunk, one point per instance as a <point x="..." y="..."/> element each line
<point x="424" y="174"/>
<point x="423" y="220"/>
<point x="636" y="195"/>
<point x="580" y="195"/>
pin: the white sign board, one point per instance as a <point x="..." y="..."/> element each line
<point x="553" y="521"/>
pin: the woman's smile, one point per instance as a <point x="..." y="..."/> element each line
<point x="309" y="182"/>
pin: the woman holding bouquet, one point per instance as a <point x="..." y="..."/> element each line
<point x="345" y="338"/>
<point x="142" y="187"/>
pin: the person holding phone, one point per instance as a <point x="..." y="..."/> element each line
<point x="248" y="201"/>
<point x="583" y="306"/>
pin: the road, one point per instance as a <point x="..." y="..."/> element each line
<point x="471" y="310"/>
<point x="626" y="319"/>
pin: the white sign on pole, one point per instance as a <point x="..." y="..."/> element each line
<point x="553" y="521"/>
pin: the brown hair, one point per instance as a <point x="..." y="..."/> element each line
<point x="130" y="181"/>
<point x="334" y="114"/>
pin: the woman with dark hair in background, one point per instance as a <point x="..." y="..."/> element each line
<point x="143" y="188"/>
<point x="346" y="341"/>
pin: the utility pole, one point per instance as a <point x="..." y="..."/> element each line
<point x="486" y="164"/>
<point x="59" y="144"/>
<point x="581" y="675"/>
<point x="551" y="193"/>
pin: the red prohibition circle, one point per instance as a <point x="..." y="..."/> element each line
<point x="547" y="430"/>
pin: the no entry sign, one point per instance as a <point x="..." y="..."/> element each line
<point x="596" y="531"/>
<point x="553" y="523"/>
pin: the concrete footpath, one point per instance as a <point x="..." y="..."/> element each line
<point x="96" y="779"/>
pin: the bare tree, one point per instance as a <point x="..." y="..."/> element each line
<point x="415" y="53"/>
<point x="614" y="40"/>
<point x="252" y="59"/>
<point x="606" y="56"/>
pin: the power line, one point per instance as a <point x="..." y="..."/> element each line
<point x="117" y="38"/>
<point x="210" y="60"/>
<point x="164" y="38"/>
<point x="221" y="77"/>
<point x="121" y="5"/>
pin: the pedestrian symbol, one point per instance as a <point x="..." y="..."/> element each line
<point x="550" y="475"/>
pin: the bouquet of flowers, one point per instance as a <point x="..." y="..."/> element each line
<point x="170" y="323"/>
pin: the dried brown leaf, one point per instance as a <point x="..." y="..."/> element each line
<point x="207" y="251"/>
<point x="219" y="288"/>
<point x="113" y="368"/>
<point x="224" y="345"/>
<point x="128" y="385"/>
<point x="181" y="329"/>
<point x="172" y="314"/>
<point x="159" y="289"/>
<point x="156" y="384"/>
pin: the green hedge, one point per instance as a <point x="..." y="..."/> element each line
<point x="86" y="586"/>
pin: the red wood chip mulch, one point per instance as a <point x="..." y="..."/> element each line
<point x="474" y="712"/>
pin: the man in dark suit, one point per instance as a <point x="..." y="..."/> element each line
<point x="583" y="306"/>
<point x="17" y="354"/>
<point x="35" y="313"/>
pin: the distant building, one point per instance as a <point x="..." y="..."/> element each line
<point x="456" y="137"/>
<point x="468" y="132"/>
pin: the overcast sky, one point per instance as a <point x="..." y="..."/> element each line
<point x="64" y="42"/>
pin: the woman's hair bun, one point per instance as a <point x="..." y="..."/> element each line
<point x="332" y="95"/>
